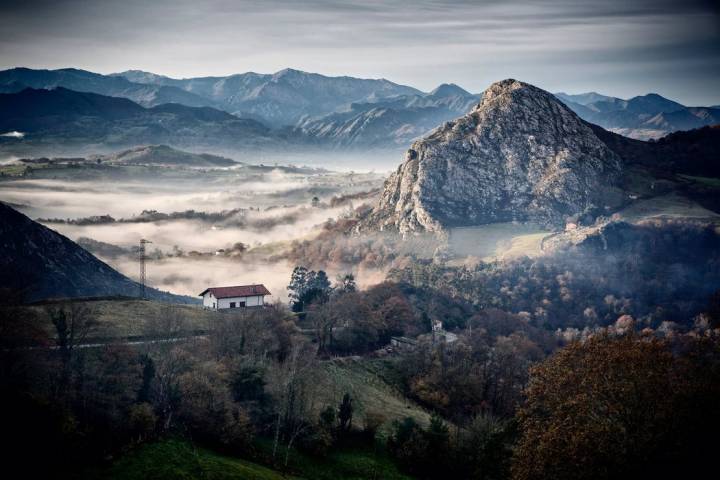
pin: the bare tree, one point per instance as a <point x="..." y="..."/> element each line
<point x="294" y="392"/>
<point x="73" y="323"/>
<point x="170" y="363"/>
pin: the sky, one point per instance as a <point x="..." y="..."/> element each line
<point x="617" y="47"/>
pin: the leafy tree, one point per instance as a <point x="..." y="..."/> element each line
<point x="306" y="287"/>
<point x="617" y="408"/>
<point x="714" y="309"/>
<point x="408" y="444"/>
<point x="297" y="288"/>
<point x="346" y="283"/>
<point x="247" y="383"/>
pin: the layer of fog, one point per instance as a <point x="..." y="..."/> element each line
<point x="273" y="209"/>
<point x="203" y="236"/>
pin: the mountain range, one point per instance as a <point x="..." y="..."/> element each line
<point x="642" y="117"/>
<point x="390" y="122"/>
<point x="272" y="111"/>
<point x="89" y="121"/>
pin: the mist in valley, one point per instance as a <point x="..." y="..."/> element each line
<point x="208" y="227"/>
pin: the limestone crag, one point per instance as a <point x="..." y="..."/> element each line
<point x="519" y="155"/>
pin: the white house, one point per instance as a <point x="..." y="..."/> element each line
<point x="241" y="296"/>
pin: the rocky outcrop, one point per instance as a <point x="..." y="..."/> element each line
<point x="519" y="155"/>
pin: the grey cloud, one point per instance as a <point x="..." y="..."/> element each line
<point x="621" y="47"/>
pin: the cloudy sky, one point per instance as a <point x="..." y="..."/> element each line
<point x="617" y="47"/>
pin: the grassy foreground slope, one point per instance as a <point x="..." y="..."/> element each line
<point x="179" y="459"/>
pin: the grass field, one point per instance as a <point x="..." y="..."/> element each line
<point x="13" y="170"/>
<point x="373" y="389"/>
<point x="123" y="318"/>
<point x="179" y="459"/>
<point x="498" y="241"/>
<point x="666" y="206"/>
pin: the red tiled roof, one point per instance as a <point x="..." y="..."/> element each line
<point x="237" y="291"/>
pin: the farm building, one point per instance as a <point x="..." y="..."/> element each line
<point x="240" y="296"/>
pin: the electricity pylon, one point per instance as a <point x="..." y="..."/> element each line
<point x="143" y="257"/>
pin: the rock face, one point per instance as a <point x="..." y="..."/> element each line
<point x="519" y="155"/>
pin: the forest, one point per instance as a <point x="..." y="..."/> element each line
<point x="533" y="383"/>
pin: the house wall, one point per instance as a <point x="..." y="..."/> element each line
<point x="253" y="301"/>
<point x="208" y="300"/>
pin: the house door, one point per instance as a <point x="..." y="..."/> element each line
<point x="242" y="304"/>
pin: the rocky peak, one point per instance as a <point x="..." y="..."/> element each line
<point x="520" y="154"/>
<point x="449" y="90"/>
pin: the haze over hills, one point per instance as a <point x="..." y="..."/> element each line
<point x="92" y="122"/>
<point x="40" y="264"/>
<point x="337" y="112"/>
<point x="18" y="79"/>
<point x="641" y="117"/>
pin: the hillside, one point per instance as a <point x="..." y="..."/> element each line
<point x="39" y="263"/>
<point x="693" y="152"/>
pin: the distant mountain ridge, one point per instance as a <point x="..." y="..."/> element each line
<point x="308" y="108"/>
<point x="393" y="122"/>
<point x="642" y="117"/>
<point x="18" y="79"/>
<point x="281" y="98"/>
<point x="62" y="117"/>
<point x="40" y="264"/>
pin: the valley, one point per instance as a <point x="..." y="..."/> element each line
<point x="396" y="283"/>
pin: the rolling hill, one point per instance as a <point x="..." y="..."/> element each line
<point x="165" y="155"/>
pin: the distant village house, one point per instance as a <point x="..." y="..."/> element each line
<point x="241" y="296"/>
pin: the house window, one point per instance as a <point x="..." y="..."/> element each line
<point x="232" y="304"/>
<point x="242" y="304"/>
